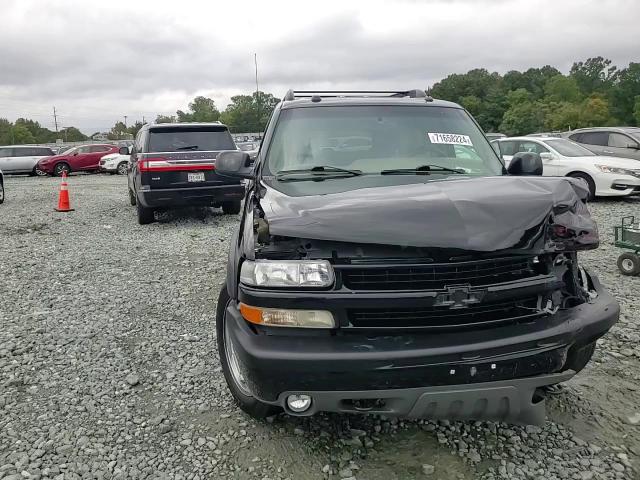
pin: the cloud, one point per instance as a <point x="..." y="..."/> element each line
<point x="105" y="60"/>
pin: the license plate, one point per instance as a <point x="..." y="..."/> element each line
<point x="195" y="177"/>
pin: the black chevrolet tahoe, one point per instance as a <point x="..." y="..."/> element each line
<point x="386" y="262"/>
<point x="174" y="165"/>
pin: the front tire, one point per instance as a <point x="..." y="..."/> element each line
<point x="590" y="183"/>
<point x="122" y="168"/>
<point x="145" y="215"/>
<point x="60" y="168"/>
<point x="132" y="198"/>
<point x="39" y="173"/>
<point x="629" y="264"/>
<point x="231" y="208"/>
<point x="1" y="193"/>
<point x="231" y="367"/>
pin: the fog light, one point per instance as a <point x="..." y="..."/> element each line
<point x="298" y="403"/>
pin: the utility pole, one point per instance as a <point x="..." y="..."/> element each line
<point x="125" y="121"/>
<point x="55" y="118"/>
<point x="143" y="122"/>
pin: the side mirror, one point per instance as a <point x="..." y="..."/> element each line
<point x="635" y="146"/>
<point x="234" y="163"/>
<point x="525" y="163"/>
<point x="546" y="156"/>
<point x="123" y="151"/>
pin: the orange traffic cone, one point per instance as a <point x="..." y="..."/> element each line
<point x="63" y="197"/>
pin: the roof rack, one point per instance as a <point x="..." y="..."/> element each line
<point x="317" y="95"/>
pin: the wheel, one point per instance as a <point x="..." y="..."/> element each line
<point x="38" y="172"/>
<point x="122" y="168"/>
<point x="60" y="168"/>
<point x="1" y="192"/>
<point x="629" y="264"/>
<point x="231" y="208"/>
<point x="145" y="215"/>
<point x="590" y="183"/>
<point x="132" y="198"/>
<point x="579" y="358"/>
<point x="231" y="365"/>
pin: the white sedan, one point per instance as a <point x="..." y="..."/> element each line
<point x="115" y="163"/>
<point x="606" y="176"/>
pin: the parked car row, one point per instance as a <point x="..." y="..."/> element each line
<point x="606" y="176"/>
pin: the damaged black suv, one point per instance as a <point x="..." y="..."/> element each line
<point x="387" y="262"/>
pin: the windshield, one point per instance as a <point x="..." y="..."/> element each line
<point x="69" y="151"/>
<point x="177" y="139"/>
<point x="569" y="148"/>
<point x="375" y="139"/>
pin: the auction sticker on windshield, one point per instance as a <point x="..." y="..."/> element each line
<point x="450" y="139"/>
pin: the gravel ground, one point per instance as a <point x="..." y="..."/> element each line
<point x="109" y="367"/>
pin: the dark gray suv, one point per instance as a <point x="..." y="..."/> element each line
<point x="387" y="262"/>
<point x="612" y="141"/>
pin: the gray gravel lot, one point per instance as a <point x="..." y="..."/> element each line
<point x="109" y="367"/>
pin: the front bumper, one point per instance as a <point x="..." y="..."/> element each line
<point x="614" y="185"/>
<point x="191" y="196"/>
<point x="480" y="374"/>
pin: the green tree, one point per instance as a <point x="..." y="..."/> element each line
<point x="72" y="134"/>
<point x="166" y="119"/>
<point x="249" y="113"/>
<point x="202" y="109"/>
<point x="595" y="112"/>
<point x="636" y="110"/>
<point x="594" y="75"/>
<point x="135" y="128"/>
<point x="19" y="134"/>
<point x="562" y="116"/>
<point x="562" y="89"/>
<point x="524" y="115"/>
<point x="5" y="131"/>
<point x="626" y="89"/>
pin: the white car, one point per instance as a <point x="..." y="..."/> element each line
<point x="23" y="158"/>
<point x="115" y="163"/>
<point x="606" y="176"/>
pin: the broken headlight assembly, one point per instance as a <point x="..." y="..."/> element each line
<point x="287" y="273"/>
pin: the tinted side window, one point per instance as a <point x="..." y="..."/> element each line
<point x="508" y="148"/>
<point x="84" y="149"/>
<point x="22" y="152"/>
<point x="595" y="138"/>
<point x="576" y="137"/>
<point x="532" y="147"/>
<point x="6" y="152"/>
<point x="99" y="148"/>
<point x="619" y="140"/>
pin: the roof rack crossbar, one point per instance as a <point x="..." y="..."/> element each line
<point x="293" y="94"/>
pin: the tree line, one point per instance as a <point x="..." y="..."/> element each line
<point x="594" y="93"/>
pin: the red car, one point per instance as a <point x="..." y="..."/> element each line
<point x="85" y="158"/>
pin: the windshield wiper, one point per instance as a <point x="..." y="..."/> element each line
<point x="421" y="170"/>
<point x="319" y="172"/>
<point x="189" y="147"/>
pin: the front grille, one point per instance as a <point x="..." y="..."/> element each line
<point x="445" y="318"/>
<point x="438" y="275"/>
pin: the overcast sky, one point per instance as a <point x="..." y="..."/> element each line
<point x="99" y="60"/>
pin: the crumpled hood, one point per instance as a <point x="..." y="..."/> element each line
<point x="480" y="214"/>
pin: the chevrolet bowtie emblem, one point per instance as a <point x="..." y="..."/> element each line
<point x="459" y="296"/>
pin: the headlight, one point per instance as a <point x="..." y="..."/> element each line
<point x="278" y="317"/>
<point x="619" y="171"/>
<point x="287" y="273"/>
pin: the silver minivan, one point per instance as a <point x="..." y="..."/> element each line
<point x="23" y="158"/>
<point x="612" y="141"/>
